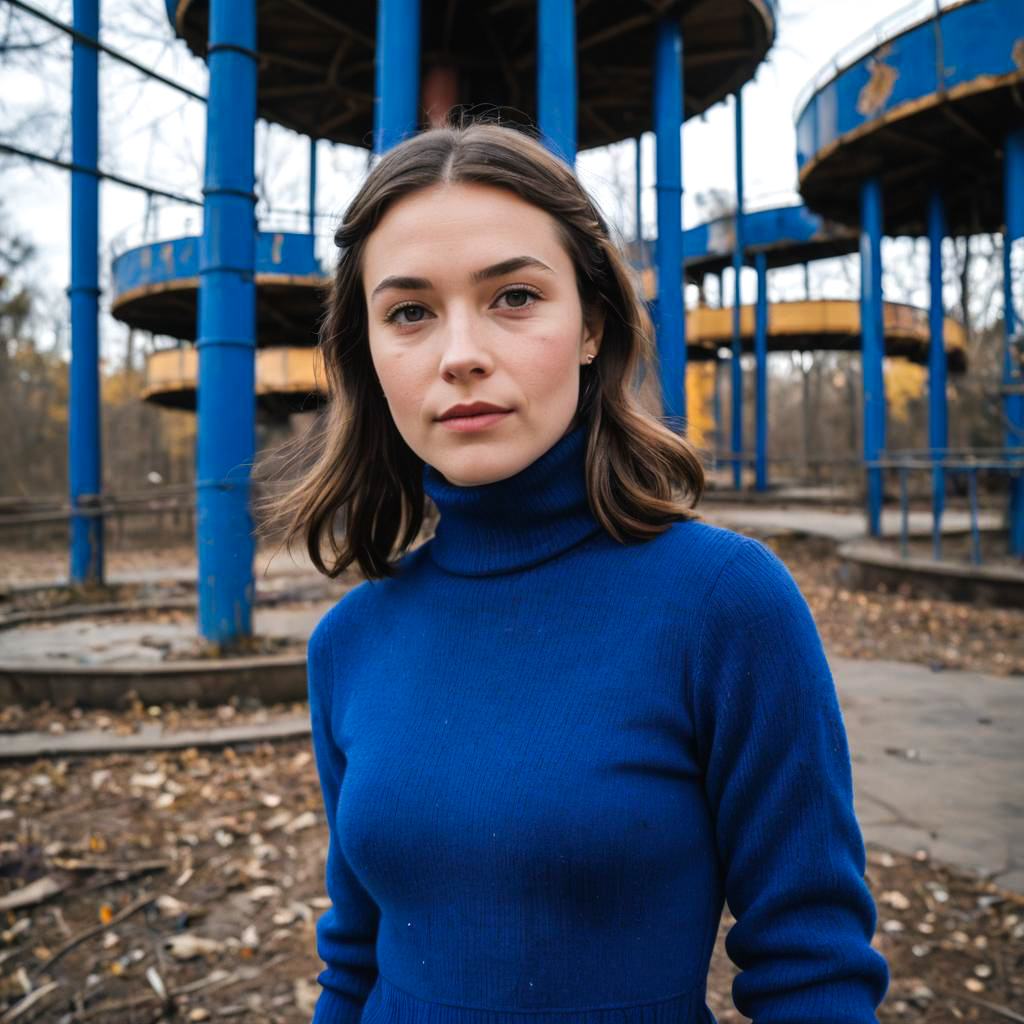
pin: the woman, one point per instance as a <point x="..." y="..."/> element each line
<point x="552" y="739"/>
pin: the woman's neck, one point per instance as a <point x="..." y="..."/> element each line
<point x="517" y="522"/>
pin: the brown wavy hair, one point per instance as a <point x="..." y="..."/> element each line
<point x="641" y="474"/>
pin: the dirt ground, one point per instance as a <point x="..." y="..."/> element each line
<point x="899" y="627"/>
<point x="185" y="885"/>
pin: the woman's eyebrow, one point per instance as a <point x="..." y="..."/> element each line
<point x="497" y="270"/>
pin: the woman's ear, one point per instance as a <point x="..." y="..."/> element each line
<point x="593" y="327"/>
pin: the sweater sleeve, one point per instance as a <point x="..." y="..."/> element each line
<point x="346" y="933"/>
<point x="779" y="784"/>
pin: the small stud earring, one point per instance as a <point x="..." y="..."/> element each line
<point x="590" y="357"/>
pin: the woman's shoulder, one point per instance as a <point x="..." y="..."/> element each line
<point x="728" y="570"/>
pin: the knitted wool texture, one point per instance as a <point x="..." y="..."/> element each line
<point x="547" y="758"/>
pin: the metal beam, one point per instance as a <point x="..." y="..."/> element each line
<point x="761" y="354"/>
<point x="84" y="437"/>
<point x="938" y="433"/>
<point x="668" y="121"/>
<point x="872" y="344"/>
<point x="227" y="332"/>
<point x="395" y="111"/>
<point x="737" y="272"/>
<point x="556" y="77"/>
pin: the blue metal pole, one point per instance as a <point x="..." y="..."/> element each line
<point x="397" y="84"/>
<point x="761" y="354"/>
<point x="972" y="491"/>
<point x="227" y="330"/>
<point x="639" y="197"/>
<point x="872" y="342"/>
<point x="668" y="121"/>
<point x="938" y="433"/>
<point x="717" y="404"/>
<point x="904" y="512"/>
<point x="84" y="469"/>
<point x="737" y="268"/>
<point x="312" y="197"/>
<point x="556" y="76"/>
<point x="1013" y="372"/>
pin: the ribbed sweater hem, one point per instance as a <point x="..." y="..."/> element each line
<point x="334" y="1008"/>
<point x="389" y="1004"/>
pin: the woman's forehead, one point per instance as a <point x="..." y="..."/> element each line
<point x="465" y="226"/>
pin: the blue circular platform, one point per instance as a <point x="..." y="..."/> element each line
<point x="787" y="235"/>
<point x="931" y="104"/>
<point x="317" y="59"/>
<point x="156" y="288"/>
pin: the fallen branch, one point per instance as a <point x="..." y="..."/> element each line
<point x="35" y="892"/>
<point x="115" y="1007"/>
<point x="132" y="908"/>
<point x="29" y="1001"/>
<point x="135" y="867"/>
<point x="1003" y="1011"/>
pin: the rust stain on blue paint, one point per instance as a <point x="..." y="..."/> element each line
<point x="876" y="92"/>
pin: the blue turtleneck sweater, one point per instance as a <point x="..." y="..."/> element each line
<point x="547" y="758"/>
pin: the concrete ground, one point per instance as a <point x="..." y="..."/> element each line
<point x="837" y="524"/>
<point x="130" y="640"/>
<point x="938" y="762"/>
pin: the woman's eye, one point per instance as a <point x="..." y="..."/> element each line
<point x="518" y="297"/>
<point x="415" y="315"/>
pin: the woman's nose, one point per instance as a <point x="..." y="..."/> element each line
<point x="463" y="352"/>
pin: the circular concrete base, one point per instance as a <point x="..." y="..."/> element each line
<point x="867" y="563"/>
<point x="272" y="679"/>
<point x="105" y="655"/>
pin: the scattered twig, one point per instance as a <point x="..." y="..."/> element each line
<point x="113" y="1007"/>
<point x="1003" y="1011"/>
<point x="132" y="908"/>
<point x="29" y="1001"/>
<point x="133" y="867"/>
<point x="35" y="892"/>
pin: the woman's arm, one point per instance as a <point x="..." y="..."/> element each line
<point x="779" y="783"/>
<point x="346" y="933"/>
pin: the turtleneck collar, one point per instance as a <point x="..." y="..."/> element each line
<point x="517" y="522"/>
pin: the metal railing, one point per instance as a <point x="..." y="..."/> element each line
<point x="967" y="462"/>
<point x="841" y="473"/>
<point x="890" y="26"/>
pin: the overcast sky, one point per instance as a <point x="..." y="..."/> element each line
<point x="155" y="134"/>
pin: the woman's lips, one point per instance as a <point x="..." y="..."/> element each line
<point x="479" y="421"/>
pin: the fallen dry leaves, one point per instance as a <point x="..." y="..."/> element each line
<point x="207" y="903"/>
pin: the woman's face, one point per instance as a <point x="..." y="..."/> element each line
<point x="471" y="297"/>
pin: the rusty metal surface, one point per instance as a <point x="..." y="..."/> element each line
<point x="931" y="104"/>
<point x="317" y="59"/>
<point x="156" y="288"/>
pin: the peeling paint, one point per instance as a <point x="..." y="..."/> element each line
<point x="1017" y="54"/>
<point x="875" y="94"/>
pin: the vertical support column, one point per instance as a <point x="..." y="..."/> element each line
<point x="872" y="342"/>
<point x="397" y="73"/>
<point x="717" y="405"/>
<point x="1013" y="370"/>
<point x="737" y="345"/>
<point x="312" y="194"/>
<point x="668" y="122"/>
<point x="761" y="354"/>
<point x="938" y="431"/>
<point x="227" y="330"/>
<point x="639" y="199"/>
<point x="556" y="77"/>
<point x="85" y="476"/>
